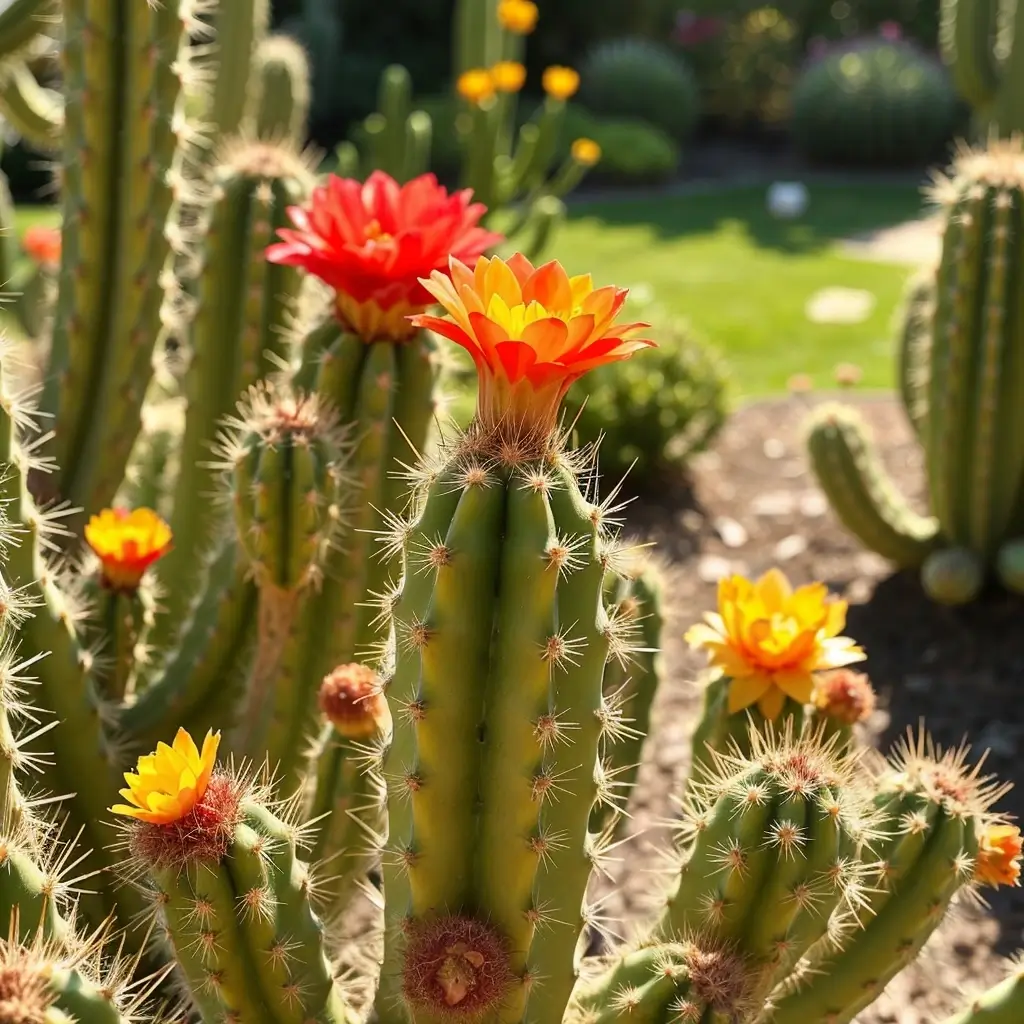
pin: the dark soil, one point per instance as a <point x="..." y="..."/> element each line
<point x="752" y="504"/>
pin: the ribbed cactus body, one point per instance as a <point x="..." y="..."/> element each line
<point x="21" y="21"/>
<point x="399" y="137"/>
<point x="122" y="65"/>
<point x="239" y="26"/>
<point x="244" y="308"/>
<point x="773" y="857"/>
<point x="1001" y="1004"/>
<point x="281" y="90"/>
<point x="243" y="928"/>
<point x="929" y="825"/>
<point x="962" y="374"/>
<point x="500" y="647"/>
<point x="986" y="53"/>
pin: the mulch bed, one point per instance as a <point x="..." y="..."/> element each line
<point x="753" y="503"/>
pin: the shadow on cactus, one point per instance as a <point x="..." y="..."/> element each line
<point x="961" y="365"/>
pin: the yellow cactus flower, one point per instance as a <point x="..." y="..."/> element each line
<point x="127" y="543"/>
<point x="999" y="856"/>
<point x="586" y="152"/>
<point x="167" y="784"/>
<point x="508" y="76"/>
<point x="560" y="83"/>
<point x="517" y="16"/>
<point x="770" y="639"/>
<point x="475" y="85"/>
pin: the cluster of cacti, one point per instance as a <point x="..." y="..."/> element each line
<point x="983" y="43"/>
<point x="430" y="660"/>
<point x="961" y="370"/>
<point x="884" y="103"/>
<point x="642" y="79"/>
<point x="507" y="164"/>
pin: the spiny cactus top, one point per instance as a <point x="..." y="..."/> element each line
<point x="844" y="696"/>
<point x="518" y="16"/>
<point x="770" y="640"/>
<point x="531" y="332"/>
<point x="373" y="241"/>
<point x="127" y="543"/>
<point x="42" y="244"/>
<point x="168" y="784"/>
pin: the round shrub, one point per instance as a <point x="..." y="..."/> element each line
<point x="642" y="79"/>
<point x="652" y="412"/>
<point x="632" y="151"/>
<point x="882" y="103"/>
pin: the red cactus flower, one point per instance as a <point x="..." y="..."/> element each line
<point x="373" y="241"/>
<point x="42" y="244"/>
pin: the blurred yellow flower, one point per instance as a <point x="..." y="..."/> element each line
<point x="508" y="76"/>
<point x="586" y="152"/>
<point x="518" y="16"/>
<point x="475" y="85"/>
<point x="560" y="83"/>
<point x="167" y="784"/>
<point x="127" y="543"/>
<point x="769" y="639"/>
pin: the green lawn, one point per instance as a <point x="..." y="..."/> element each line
<point x="743" y="279"/>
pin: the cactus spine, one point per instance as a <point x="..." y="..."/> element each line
<point x="964" y="398"/>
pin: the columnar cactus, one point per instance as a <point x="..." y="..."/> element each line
<point x="1001" y="1004"/>
<point x="964" y="400"/>
<point x="983" y="42"/>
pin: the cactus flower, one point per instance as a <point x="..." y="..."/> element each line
<point x="999" y="856"/>
<point x="352" y="698"/>
<point x="770" y="640"/>
<point x="508" y="76"/>
<point x="844" y="696"/>
<point x="586" y="152"/>
<point x="167" y="785"/>
<point x="517" y="16"/>
<point x="531" y="332"/>
<point x="127" y="543"/>
<point x="373" y="241"/>
<point x="475" y="85"/>
<point x="560" y="83"/>
<point x="42" y="244"/>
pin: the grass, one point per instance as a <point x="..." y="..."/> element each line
<point x="743" y="279"/>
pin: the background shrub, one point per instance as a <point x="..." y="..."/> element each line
<point x="641" y="79"/>
<point x="877" y="103"/>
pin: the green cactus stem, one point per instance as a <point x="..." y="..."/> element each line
<point x="1001" y="1004"/>
<point x="861" y="494"/>
<point x="282" y="95"/>
<point x="123" y="64"/>
<point x="238" y="336"/>
<point x="34" y="112"/>
<point x="915" y="347"/>
<point x="932" y="807"/>
<point x="239" y="27"/>
<point x="22" y="21"/>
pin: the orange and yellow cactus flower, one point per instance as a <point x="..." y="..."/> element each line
<point x="999" y="856"/>
<point x="508" y="76"/>
<point x="517" y="16"/>
<point x="475" y="85"/>
<point x="168" y="783"/>
<point x="127" y="543"/>
<point x="770" y="639"/>
<point x="531" y="331"/>
<point x="560" y="83"/>
<point x="42" y="244"/>
<point x="586" y="152"/>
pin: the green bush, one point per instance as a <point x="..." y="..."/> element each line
<point x="881" y="103"/>
<point x="652" y="413"/>
<point x="637" y="78"/>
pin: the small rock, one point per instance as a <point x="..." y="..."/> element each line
<point x="813" y="504"/>
<point x="790" y="547"/>
<point x="773" y="503"/>
<point x="840" y="306"/>
<point x="732" y="533"/>
<point x="867" y="563"/>
<point x="692" y="520"/>
<point x="774" y="448"/>
<point x="859" y="591"/>
<point x="712" y="568"/>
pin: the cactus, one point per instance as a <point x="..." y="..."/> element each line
<point x="282" y="96"/>
<point x="411" y="646"/>
<point x="962" y="399"/>
<point x="876" y="103"/>
<point x="1001" y="1004"/>
<point x="983" y="42"/>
